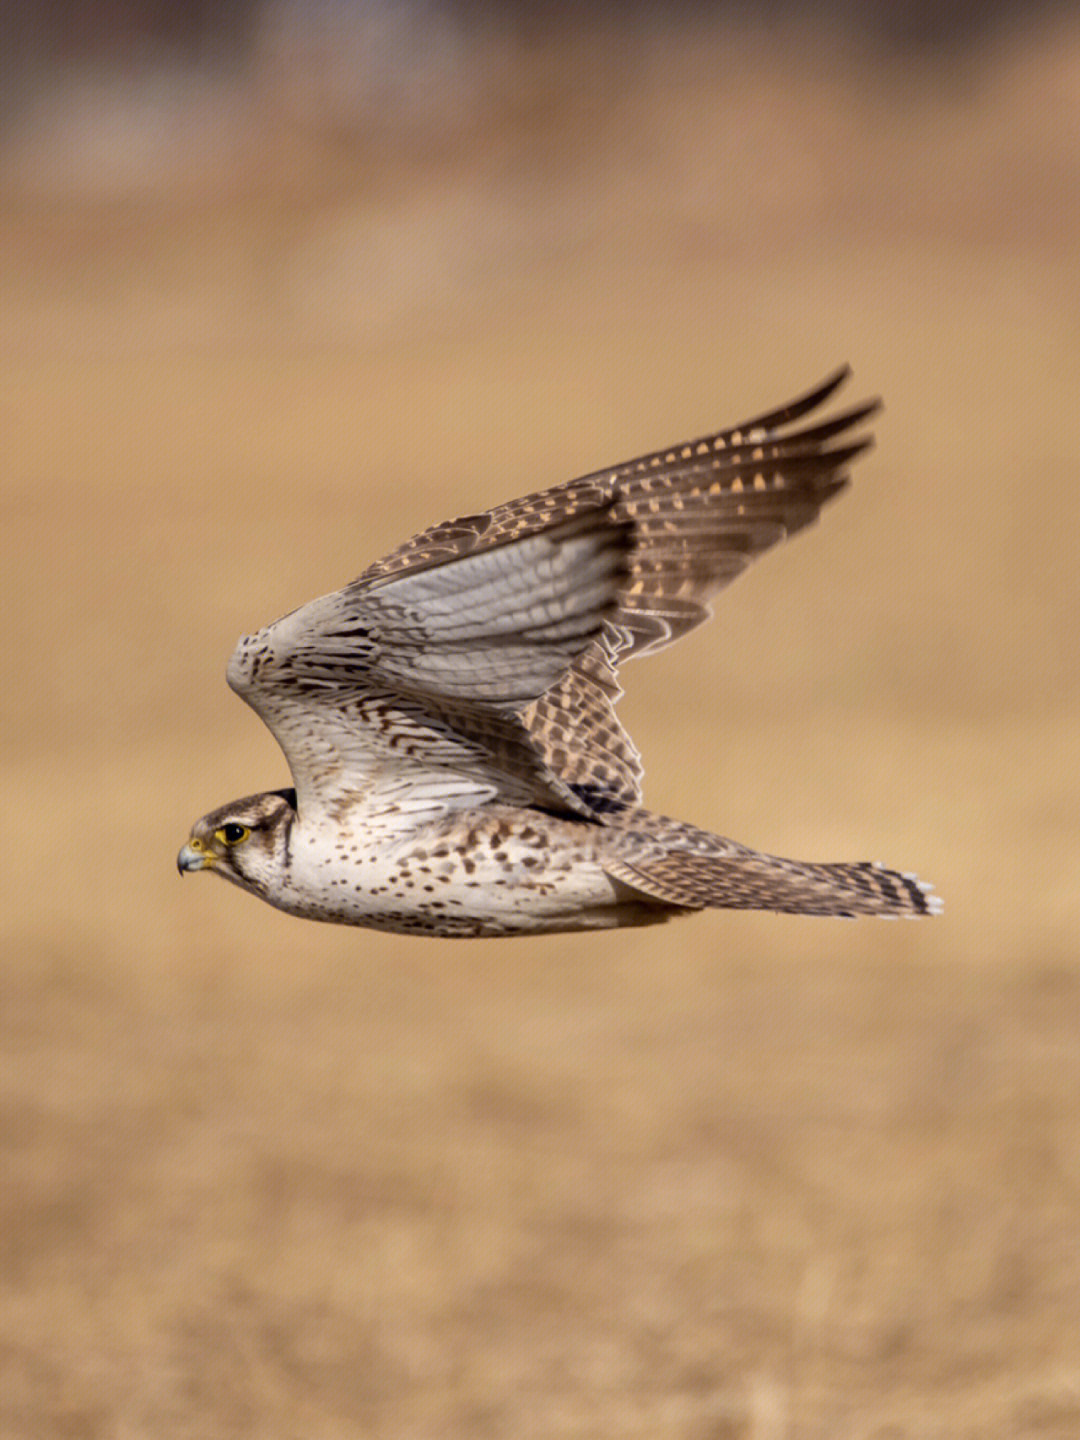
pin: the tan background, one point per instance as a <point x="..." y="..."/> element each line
<point x="751" y="1177"/>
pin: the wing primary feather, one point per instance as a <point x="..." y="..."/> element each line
<point x="796" y="409"/>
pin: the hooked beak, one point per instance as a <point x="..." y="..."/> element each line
<point x="194" y="856"/>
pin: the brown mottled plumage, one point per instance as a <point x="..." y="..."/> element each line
<point x="449" y="717"/>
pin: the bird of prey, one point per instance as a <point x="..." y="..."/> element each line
<point x="449" y="717"/>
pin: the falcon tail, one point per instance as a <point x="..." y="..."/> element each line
<point x="722" y="875"/>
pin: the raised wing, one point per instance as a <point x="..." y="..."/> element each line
<point x="700" y="512"/>
<point x="483" y="653"/>
<point x="417" y="682"/>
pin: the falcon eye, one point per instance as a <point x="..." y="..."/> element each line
<point x="232" y="834"/>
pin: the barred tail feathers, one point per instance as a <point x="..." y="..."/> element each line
<point x="727" y="876"/>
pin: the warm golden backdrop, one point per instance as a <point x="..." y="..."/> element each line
<point x="741" y="1177"/>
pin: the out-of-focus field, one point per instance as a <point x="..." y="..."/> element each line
<point x="750" y="1177"/>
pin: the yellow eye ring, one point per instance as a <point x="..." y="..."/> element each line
<point x="232" y="834"/>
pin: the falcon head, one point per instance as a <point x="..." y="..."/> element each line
<point x="245" y="842"/>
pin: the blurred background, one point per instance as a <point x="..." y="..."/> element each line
<point x="282" y="283"/>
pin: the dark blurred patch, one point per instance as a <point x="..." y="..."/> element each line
<point x="37" y="40"/>
<point x="122" y="99"/>
<point x="904" y="30"/>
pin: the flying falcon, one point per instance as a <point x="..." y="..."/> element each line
<point x="449" y="717"/>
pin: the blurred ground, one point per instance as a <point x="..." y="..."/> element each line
<point x="741" y="1177"/>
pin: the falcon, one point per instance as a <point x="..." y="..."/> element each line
<point x="449" y="718"/>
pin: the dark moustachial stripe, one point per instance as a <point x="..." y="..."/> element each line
<point x="290" y="821"/>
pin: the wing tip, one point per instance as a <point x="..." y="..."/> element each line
<point x="809" y="401"/>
